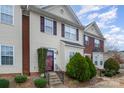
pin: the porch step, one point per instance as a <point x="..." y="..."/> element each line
<point x="54" y="79"/>
<point x="55" y="83"/>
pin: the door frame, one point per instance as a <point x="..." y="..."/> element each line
<point x="52" y="61"/>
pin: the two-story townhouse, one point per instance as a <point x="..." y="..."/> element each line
<point x="56" y="28"/>
<point x="94" y="44"/>
<point x="10" y="39"/>
<point x="24" y="29"/>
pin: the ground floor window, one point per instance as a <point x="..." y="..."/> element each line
<point x="101" y="63"/>
<point x="98" y="59"/>
<point x="6" y="55"/>
<point x="96" y="63"/>
<point x="71" y="54"/>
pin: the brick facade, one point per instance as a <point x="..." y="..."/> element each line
<point x="89" y="47"/>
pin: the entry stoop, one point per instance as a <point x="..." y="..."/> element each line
<point x="54" y="80"/>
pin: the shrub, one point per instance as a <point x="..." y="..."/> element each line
<point x="78" y="68"/>
<point x="21" y="79"/>
<point x="4" y="83"/>
<point x="108" y="73"/>
<point x="111" y="64"/>
<point x="40" y="83"/>
<point x="91" y="67"/>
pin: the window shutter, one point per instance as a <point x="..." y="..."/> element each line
<point x="84" y="40"/>
<point x="77" y="34"/>
<point x="63" y="30"/>
<point x="54" y="27"/>
<point x="42" y="24"/>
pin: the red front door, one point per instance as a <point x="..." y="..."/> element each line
<point x="50" y="60"/>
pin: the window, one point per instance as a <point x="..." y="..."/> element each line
<point x="96" y="60"/>
<point x="96" y="63"/>
<point x="101" y="63"/>
<point x="97" y="43"/>
<point x="6" y="14"/>
<point x="70" y="32"/>
<point x="48" y="26"/>
<point x="71" y="54"/>
<point x="86" y="38"/>
<point x="6" y="55"/>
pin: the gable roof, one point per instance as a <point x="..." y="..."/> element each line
<point x="68" y="7"/>
<point x="41" y="9"/>
<point x="93" y="24"/>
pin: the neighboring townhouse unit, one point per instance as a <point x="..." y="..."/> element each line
<point x="10" y="39"/>
<point x="94" y="44"/>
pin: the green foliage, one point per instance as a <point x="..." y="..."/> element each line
<point x="4" y="83"/>
<point x="108" y="73"/>
<point x="91" y="67"/>
<point x="21" y="79"/>
<point x="111" y="67"/>
<point x="42" y="53"/>
<point x="111" y="64"/>
<point x="40" y="83"/>
<point x="78" y="68"/>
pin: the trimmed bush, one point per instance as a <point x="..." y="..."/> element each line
<point x="4" y="83"/>
<point x="21" y="79"/>
<point x="111" y="65"/>
<point x="91" y="67"/>
<point x="78" y="68"/>
<point x="40" y="83"/>
<point x="42" y="54"/>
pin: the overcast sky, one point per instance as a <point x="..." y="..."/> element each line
<point x="110" y="19"/>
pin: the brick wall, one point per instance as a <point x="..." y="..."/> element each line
<point x="90" y="46"/>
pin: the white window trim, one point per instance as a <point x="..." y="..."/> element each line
<point x="70" y="27"/>
<point x="52" y="27"/>
<point x="97" y="43"/>
<point x="13" y="54"/>
<point x="12" y="15"/>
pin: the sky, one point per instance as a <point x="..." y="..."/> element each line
<point x="110" y="20"/>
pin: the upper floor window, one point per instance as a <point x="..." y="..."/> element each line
<point x="7" y="55"/>
<point x="48" y="26"/>
<point x="97" y="43"/>
<point x="86" y="40"/>
<point x="70" y="32"/>
<point x="6" y="14"/>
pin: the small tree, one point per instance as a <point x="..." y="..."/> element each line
<point x="91" y="67"/>
<point x="42" y="54"/>
<point x="111" y="65"/>
<point x="117" y="56"/>
<point x="78" y="68"/>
